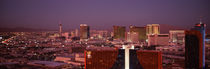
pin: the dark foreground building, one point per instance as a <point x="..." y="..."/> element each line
<point x="115" y="59"/>
<point x="195" y="47"/>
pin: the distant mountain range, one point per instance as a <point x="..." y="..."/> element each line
<point x="164" y="28"/>
<point x="22" y="29"/>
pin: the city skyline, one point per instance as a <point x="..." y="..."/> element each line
<point x="104" y="34"/>
<point x="101" y="14"/>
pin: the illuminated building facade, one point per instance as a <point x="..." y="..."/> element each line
<point x="152" y="29"/>
<point x="84" y="31"/>
<point x="195" y="47"/>
<point x="99" y="34"/>
<point x="141" y="32"/>
<point x="73" y="34"/>
<point x="66" y="35"/>
<point x="76" y="32"/>
<point x="176" y="37"/>
<point x="119" y="32"/>
<point x="123" y="59"/>
<point x="132" y="37"/>
<point x="158" y="39"/>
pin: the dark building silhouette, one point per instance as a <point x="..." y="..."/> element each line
<point x="195" y="47"/>
<point x="119" y="32"/>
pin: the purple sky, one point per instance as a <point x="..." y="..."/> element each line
<point x="102" y="14"/>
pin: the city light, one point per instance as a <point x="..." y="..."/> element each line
<point x="108" y="34"/>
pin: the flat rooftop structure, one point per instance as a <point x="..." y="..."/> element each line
<point x="115" y="59"/>
<point x="94" y="48"/>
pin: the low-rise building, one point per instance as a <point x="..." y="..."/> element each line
<point x="158" y="40"/>
<point x="176" y="37"/>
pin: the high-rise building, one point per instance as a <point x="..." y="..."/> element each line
<point x="176" y="37"/>
<point x="152" y="29"/>
<point x="193" y="50"/>
<point x="84" y="31"/>
<point x="123" y="59"/>
<point x="119" y="32"/>
<point x="195" y="47"/>
<point x="141" y="32"/>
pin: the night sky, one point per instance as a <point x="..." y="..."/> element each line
<point x="102" y="14"/>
